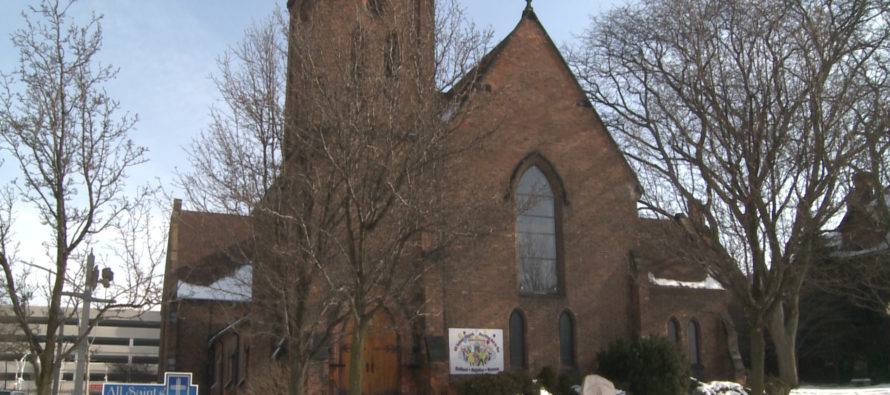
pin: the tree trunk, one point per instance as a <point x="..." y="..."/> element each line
<point x="297" y="384"/>
<point x="356" y="357"/>
<point x="783" y="331"/>
<point x="44" y="379"/>
<point x="758" y="344"/>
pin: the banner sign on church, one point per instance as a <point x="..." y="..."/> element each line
<point x="476" y="351"/>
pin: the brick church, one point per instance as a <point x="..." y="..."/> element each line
<point x="549" y="284"/>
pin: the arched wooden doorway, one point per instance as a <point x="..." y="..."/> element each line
<point x="381" y="354"/>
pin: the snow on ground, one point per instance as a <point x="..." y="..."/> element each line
<point x="883" y="389"/>
<point x="730" y="388"/>
<point x="720" y="388"/>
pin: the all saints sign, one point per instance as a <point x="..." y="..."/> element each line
<point x="476" y="351"/>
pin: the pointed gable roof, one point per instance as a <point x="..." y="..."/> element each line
<point x="530" y="25"/>
<point x="479" y="72"/>
<point x="202" y="245"/>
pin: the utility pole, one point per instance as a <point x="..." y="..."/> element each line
<point x="92" y="280"/>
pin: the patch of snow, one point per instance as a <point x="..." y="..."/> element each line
<point x="852" y="254"/>
<point x="874" y="203"/>
<point x="720" y="388"/>
<point x="451" y="111"/>
<point x="883" y="389"/>
<point x="708" y="283"/>
<point x="730" y="388"/>
<point x="234" y="288"/>
<point x="833" y="239"/>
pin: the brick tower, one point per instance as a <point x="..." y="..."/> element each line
<point x="355" y="49"/>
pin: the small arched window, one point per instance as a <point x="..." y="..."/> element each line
<point x="673" y="331"/>
<point x="357" y="54"/>
<point x="566" y="339"/>
<point x="392" y="55"/>
<point x="692" y="340"/>
<point x="517" y="339"/>
<point x="536" y="233"/>
<point x="376" y="7"/>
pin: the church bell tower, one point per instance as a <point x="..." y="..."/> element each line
<point x="355" y="46"/>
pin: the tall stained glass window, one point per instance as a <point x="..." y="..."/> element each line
<point x="536" y="234"/>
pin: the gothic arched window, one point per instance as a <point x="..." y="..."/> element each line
<point x="536" y="233"/>
<point x="376" y="7"/>
<point x="692" y="339"/>
<point x="673" y="331"/>
<point x="517" y="339"/>
<point x="566" y="339"/>
<point x="392" y="55"/>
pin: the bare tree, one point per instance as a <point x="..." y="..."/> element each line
<point x="746" y="115"/>
<point x="72" y="152"/>
<point x="856" y="259"/>
<point x="235" y="161"/>
<point x="856" y="262"/>
<point x="367" y="141"/>
<point x="340" y="220"/>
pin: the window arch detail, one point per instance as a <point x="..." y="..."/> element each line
<point x="692" y="340"/>
<point x="566" y="339"/>
<point x="536" y="233"/>
<point x="673" y="330"/>
<point x="377" y="7"/>
<point x="538" y="203"/>
<point x="392" y="56"/>
<point x="517" y="339"/>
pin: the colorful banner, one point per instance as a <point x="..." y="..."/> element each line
<point x="476" y="351"/>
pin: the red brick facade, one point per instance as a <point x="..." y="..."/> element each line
<point x="196" y="254"/>
<point x="540" y="117"/>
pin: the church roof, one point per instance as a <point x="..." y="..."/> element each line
<point x="482" y="68"/>
<point x="529" y="20"/>
<point x="207" y="245"/>
<point x="656" y="238"/>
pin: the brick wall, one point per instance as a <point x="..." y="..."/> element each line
<point x="538" y="116"/>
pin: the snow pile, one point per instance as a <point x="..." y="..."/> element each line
<point x="730" y="388"/>
<point x="883" y="389"/>
<point x="720" y="388"/>
<point x="234" y="288"/>
<point x="708" y="283"/>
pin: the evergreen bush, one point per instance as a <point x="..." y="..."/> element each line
<point x="645" y="366"/>
<point x="556" y="385"/>
<point x="504" y="383"/>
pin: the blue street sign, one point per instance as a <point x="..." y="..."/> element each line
<point x="175" y="383"/>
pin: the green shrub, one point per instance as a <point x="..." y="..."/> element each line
<point x="556" y="385"/>
<point x="504" y="383"/>
<point x="646" y="366"/>
<point x="775" y="386"/>
<point x="547" y="377"/>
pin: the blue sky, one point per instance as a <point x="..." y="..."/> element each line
<point x="166" y="51"/>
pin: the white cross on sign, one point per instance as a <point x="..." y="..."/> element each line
<point x="178" y="385"/>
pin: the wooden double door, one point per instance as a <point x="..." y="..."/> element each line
<point x="380" y="374"/>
